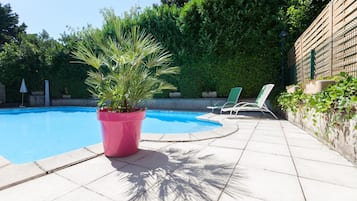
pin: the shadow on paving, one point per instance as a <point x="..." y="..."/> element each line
<point x="175" y="174"/>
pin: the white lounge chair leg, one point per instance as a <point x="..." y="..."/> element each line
<point x="273" y="114"/>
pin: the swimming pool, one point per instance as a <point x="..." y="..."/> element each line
<point x="31" y="134"/>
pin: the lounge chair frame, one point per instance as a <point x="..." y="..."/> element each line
<point x="231" y="96"/>
<point x="259" y="105"/>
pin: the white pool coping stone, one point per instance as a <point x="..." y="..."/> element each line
<point x="13" y="174"/>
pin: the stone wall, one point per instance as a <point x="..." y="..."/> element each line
<point x="341" y="137"/>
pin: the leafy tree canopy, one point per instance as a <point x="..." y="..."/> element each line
<point x="178" y="3"/>
<point x="301" y="13"/>
<point x="9" y="28"/>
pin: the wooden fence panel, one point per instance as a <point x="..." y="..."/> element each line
<point x="333" y="38"/>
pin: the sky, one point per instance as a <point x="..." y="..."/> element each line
<point x="55" y="16"/>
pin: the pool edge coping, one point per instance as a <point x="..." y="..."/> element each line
<point x="55" y="163"/>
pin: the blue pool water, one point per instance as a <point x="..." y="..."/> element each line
<point x="34" y="133"/>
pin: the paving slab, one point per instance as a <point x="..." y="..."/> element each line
<point x="91" y="170"/>
<point x="205" y="135"/>
<point x="46" y="188"/>
<point x="230" y="143"/>
<point x="269" y="132"/>
<point x="96" y="148"/>
<point x="176" y="137"/>
<point x="269" y="139"/>
<point x="309" y="142"/>
<point x="13" y="174"/>
<point x="219" y="156"/>
<point x="322" y="191"/>
<point x="67" y="159"/>
<point x="124" y="184"/>
<point x="323" y="154"/>
<point x="155" y="160"/>
<point x="265" y="161"/>
<point x="264" y="185"/>
<point x="264" y="147"/>
<point x="227" y="197"/>
<point x="327" y="172"/>
<point x="153" y="145"/>
<point x="82" y="194"/>
<point x="3" y="161"/>
<point x="151" y="137"/>
<point x="142" y="153"/>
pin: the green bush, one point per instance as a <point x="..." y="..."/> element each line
<point x="339" y="99"/>
<point x="219" y="44"/>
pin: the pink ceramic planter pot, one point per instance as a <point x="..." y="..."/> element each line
<point x="121" y="132"/>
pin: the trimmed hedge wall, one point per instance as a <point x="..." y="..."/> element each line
<point x="219" y="44"/>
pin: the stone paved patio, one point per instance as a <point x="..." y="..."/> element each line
<point x="264" y="160"/>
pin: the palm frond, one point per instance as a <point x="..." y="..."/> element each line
<point x="128" y="65"/>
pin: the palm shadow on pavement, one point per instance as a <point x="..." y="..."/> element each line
<point x="175" y="174"/>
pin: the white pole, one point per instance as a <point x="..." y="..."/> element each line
<point x="47" y="93"/>
<point x="23" y="89"/>
<point x="22" y="102"/>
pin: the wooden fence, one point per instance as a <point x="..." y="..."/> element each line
<point x="328" y="46"/>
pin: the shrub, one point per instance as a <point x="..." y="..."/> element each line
<point x="339" y="99"/>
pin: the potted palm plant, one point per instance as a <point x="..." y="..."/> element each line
<point x="127" y="68"/>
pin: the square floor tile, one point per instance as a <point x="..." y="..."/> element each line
<point x="46" y="188"/>
<point x="264" y="185"/>
<point x="241" y="135"/>
<point x="82" y="194"/>
<point x="228" y="197"/>
<point x="297" y="134"/>
<point x="230" y="143"/>
<point x="309" y="143"/>
<point x="264" y="161"/>
<point x="188" y="146"/>
<point x="153" y="145"/>
<point x="91" y="170"/>
<point x="269" y="139"/>
<point x="158" y="160"/>
<point x="319" y="154"/>
<point x="96" y="148"/>
<point x="219" y="155"/>
<point x="55" y="162"/>
<point x="269" y="132"/>
<point x="335" y="174"/>
<point x="124" y="184"/>
<point x="321" y="191"/>
<point x="132" y="158"/>
<point x="263" y="147"/>
<point x="3" y="161"/>
<point x="181" y="188"/>
<point x="14" y="173"/>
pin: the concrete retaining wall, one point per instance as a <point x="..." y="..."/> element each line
<point x="341" y="137"/>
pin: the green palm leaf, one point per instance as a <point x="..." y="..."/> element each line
<point x="127" y="65"/>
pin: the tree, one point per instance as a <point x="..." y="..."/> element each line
<point x="31" y="57"/>
<point x="178" y="3"/>
<point x="9" y="28"/>
<point x="301" y="13"/>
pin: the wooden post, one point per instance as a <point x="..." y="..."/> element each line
<point x="302" y="59"/>
<point x="331" y="37"/>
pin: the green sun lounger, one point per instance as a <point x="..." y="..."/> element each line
<point x="258" y="105"/>
<point x="231" y="100"/>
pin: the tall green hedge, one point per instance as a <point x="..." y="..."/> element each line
<point x="218" y="44"/>
<point x="37" y="58"/>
